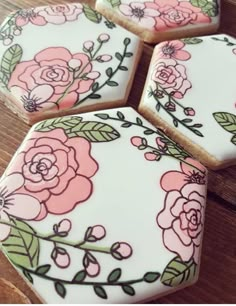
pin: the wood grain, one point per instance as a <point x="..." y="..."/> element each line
<point x="218" y="273"/>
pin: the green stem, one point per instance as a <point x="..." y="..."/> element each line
<point x="91" y="283"/>
<point x="79" y="245"/>
<point x="225" y="41"/>
<point x="7" y="23"/>
<point x="172" y="99"/>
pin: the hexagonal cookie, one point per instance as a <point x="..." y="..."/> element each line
<point x="159" y="20"/>
<point x="190" y="92"/>
<point x="64" y="59"/>
<point x="103" y="207"/>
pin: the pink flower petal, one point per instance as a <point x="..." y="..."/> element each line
<point x="151" y="13"/>
<point x="138" y="5"/>
<point x="188" y="169"/>
<point x="182" y="55"/>
<point x="21" y="21"/>
<point x="196" y="255"/>
<point x="49" y="54"/>
<point x="147" y="22"/>
<point x="38" y="20"/>
<point x="11" y="183"/>
<point x="173" y="180"/>
<point x="182" y="234"/>
<point x="126" y="10"/>
<point x="42" y="93"/>
<point x="5" y="230"/>
<point x="43" y="213"/>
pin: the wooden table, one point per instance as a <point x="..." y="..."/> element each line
<point x="217" y="280"/>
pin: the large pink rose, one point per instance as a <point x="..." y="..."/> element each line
<point x="57" y="170"/>
<point x="56" y="75"/>
<point x="172" y="77"/>
<point x="176" y="13"/>
<point x="182" y="221"/>
<point x="59" y="14"/>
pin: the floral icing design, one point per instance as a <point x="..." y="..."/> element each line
<point x="162" y="15"/>
<point x="56" y="79"/>
<point x="170" y="82"/>
<point x="41" y="16"/>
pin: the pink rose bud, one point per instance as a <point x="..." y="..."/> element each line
<point x="64" y="226"/>
<point x="136" y="141"/>
<point x="17" y="32"/>
<point x="92" y="269"/>
<point x="7" y="41"/>
<point x="170" y="106"/>
<point x="160" y="143"/>
<point x="104" y="58"/>
<point x="95" y="233"/>
<point x="150" y="156"/>
<point x="75" y="63"/>
<point x="60" y="257"/>
<point x="121" y="250"/>
<point x="189" y="111"/>
<point x="92" y="75"/>
<point x="88" y="45"/>
<point x="103" y="38"/>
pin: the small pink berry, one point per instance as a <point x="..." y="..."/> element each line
<point x="136" y="141"/>
<point x="170" y="106"/>
<point x="95" y="233"/>
<point x="93" y="75"/>
<point x="17" y="32"/>
<point x="121" y="250"/>
<point x="160" y="143"/>
<point x="234" y="51"/>
<point x="75" y="63"/>
<point x="92" y="269"/>
<point x="103" y="38"/>
<point x="7" y="41"/>
<point x="61" y="257"/>
<point x="104" y="58"/>
<point x="189" y="111"/>
<point x="150" y="156"/>
<point x="88" y="45"/>
<point x="64" y="226"/>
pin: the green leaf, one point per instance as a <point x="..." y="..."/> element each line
<point x="128" y="290"/>
<point x="109" y="72"/>
<point x="126" y="125"/>
<point x="149" y="132"/>
<point x="112" y="83"/>
<point x="118" y="56"/>
<point x="227" y="121"/>
<point x="64" y="123"/>
<point x="192" y="40"/>
<point x="95" y="86"/>
<point x="79" y="276"/>
<point x="95" y="96"/>
<point x="10" y="59"/>
<point x="60" y="289"/>
<point x="151" y="277"/>
<point x="175" y="122"/>
<point x="103" y="116"/>
<point x="114" y="3"/>
<point x="123" y="68"/>
<point x="129" y="54"/>
<point x="114" y="276"/>
<point x="42" y="270"/>
<point x="198" y="3"/>
<point x="100" y="292"/>
<point x="211" y="9"/>
<point x="94" y="131"/>
<point x="233" y="139"/>
<point x="139" y="121"/>
<point x="20" y="247"/>
<point x="177" y="272"/>
<point x="127" y="41"/>
<point x="197" y="132"/>
<point x="91" y="14"/>
<point x="175" y="151"/>
<point x="4" y="79"/>
<point x="120" y="115"/>
<point x="28" y="276"/>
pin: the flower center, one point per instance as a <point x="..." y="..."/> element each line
<point x="41" y="167"/>
<point x="197" y="178"/>
<point x="30" y="105"/>
<point x="138" y="12"/>
<point x="60" y="9"/>
<point x="27" y="13"/>
<point x="168" y="50"/>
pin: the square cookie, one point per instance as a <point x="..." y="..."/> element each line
<point x="159" y="20"/>
<point x="190" y="92"/>
<point x="102" y="207"/>
<point x="64" y="59"/>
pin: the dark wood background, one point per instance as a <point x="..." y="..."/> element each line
<point x="217" y="282"/>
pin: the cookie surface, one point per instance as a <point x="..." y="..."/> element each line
<point x="159" y="20"/>
<point x="190" y="92"/>
<point x="105" y="205"/>
<point x="50" y="65"/>
<point x="9" y="294"/>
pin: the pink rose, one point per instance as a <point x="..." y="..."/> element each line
<point x="51" y="67"/>
<point x="59" y="14"/>
<point x="121" y="250"/>
<point x="57" y="170"/>
<point x="182" y="221"/>
<point x="174" y="14"/>
<point x="172" y="77"/>
<point x="191" y="172"/>
<point x="29" y="16"/>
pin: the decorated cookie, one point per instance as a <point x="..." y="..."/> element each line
<point x="64" y="59"/>
<point x="102" y="207"/>
<point x="9" y="294"/>
<point x="190" y="92"/>
<point x="159" y="20"/>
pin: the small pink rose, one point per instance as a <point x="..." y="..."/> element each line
<point x="91" y="265"/>
<point x="60" y="257"/>
<point x="150" y="156"/>
<point x="121" y="250"/>
<point x="136" y="141"/>
<point x="170" y="106"/>
<point x="7" y="41"/>
<point x="95" y="233"/>
<point x="17" y="32"/>
<point x="104" y="58"/>
<point x="103" y="38"/>
<point x="160" y="143"/>
<point x="63" y="227"/>
<point x="189" y="111"/>
<point x="93" y="75"/>
<point x="88" y="45"/>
